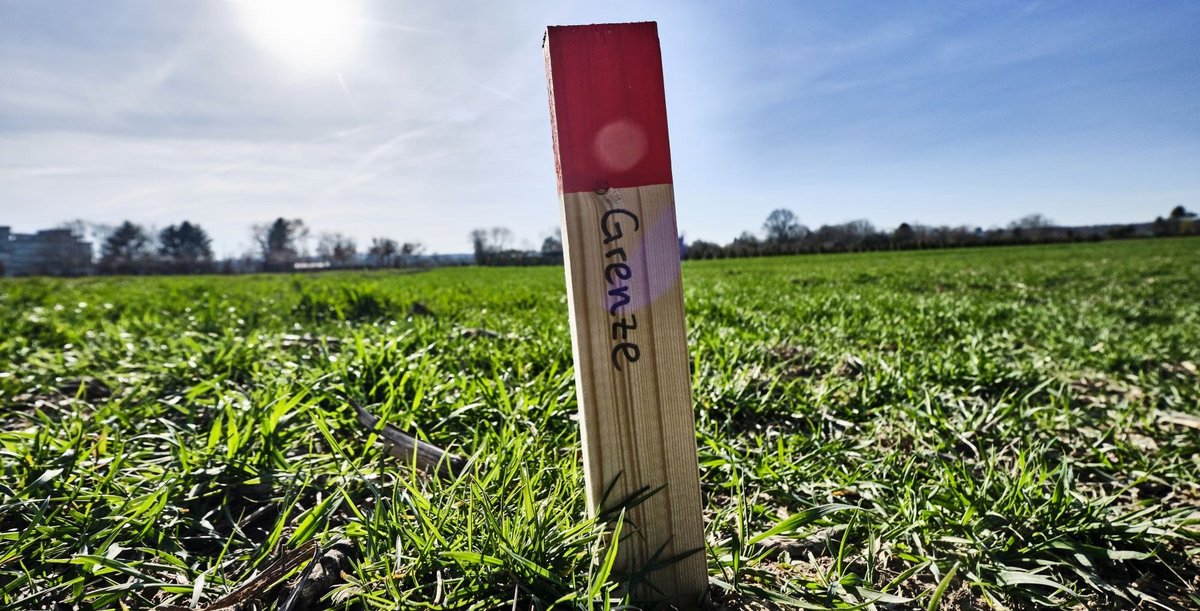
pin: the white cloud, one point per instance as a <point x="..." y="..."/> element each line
<point x="154" y="112"/>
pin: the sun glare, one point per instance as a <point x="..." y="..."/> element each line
<point x="307" y="35"/>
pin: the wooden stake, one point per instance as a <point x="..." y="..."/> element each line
<point x="609" y="120"/>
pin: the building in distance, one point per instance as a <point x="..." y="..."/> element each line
<point x="49" y="252"/>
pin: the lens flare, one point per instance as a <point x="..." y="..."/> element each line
<point x="307" y="35"/>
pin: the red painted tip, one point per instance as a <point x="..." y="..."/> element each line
<point x="608" y="111"/>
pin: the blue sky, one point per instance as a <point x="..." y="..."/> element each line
<point x="430" y="119"/>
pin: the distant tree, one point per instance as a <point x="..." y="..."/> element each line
<point x="185" y="247"/>
<point x="1180" y="213"/>
<point x="501" y="238"/>
<point x="700" y="249"/>
<point x="279" y="240"/>
<point x="856" y="234"/>
<point x="1031" y="221"/>
<point x="479" y="245"/>
<point x="553" y="245"/>
<point x="827" y="238"/>
<point x="1122" y="232"/>
<point x="876" y="240"/>
<point x="1030" y="228"/>
<point x="860" y="228"/>
<point x="490" y="244"/>
<point x="1182" y="222"/>
<point x="1161" y="227"/>
<point x="409" y="251"/>
<point x="126" y="250"/>
<point x="904" y="236"/>
<point x="336" y="247"/>
<point x="77" y="227"/>
<point x="383" y="251"/>
<point x="745" y="245"/>
<point x="782" y="227"/>
<point x="185" y="241"/>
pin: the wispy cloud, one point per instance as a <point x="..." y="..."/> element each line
<point x="31" y="172"/>
<point x="393" y="25"/>
<point x="154" y="113"/>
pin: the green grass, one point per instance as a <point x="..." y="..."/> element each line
<point x="1009" y="427"/>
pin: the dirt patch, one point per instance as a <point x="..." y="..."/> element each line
<point x="64" y="389"/>
<point x="1101" y="390"/>
<point x="797" y="361"/>
<point x="850" y="367"/>
<point x="960" y="598"/>
<point x="65" y="395"/>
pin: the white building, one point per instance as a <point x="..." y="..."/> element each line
<point x="51" y="252"/>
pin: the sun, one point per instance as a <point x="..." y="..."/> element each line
<point x="307" y="35"/>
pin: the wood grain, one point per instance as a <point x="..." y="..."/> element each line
<point x="621" y="248"/>
<point x="638" y="428"/>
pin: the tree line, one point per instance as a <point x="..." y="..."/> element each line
<point x="494" y="247"/>
<point x="784" y="234"/>
<point x="280" y="245"/>
<point x="130" y="248"/>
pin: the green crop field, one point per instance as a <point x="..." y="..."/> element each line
<point x="989" y="428"/>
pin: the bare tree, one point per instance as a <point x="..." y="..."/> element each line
<point x="409" y="251"/>
<point x="783" y="228"/>
<point x="1031" y="221"/>
<point x="490" y="243"/>
<point x="1031" y="227"/>
<point x="279" y="240"/>
<point x="857" y="233"/>
<point x="501" y="238"/>
<point x="336" y="247"/>
<point x="383" y="251"/>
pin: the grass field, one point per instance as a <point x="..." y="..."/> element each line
<point x="1007" y="428"/>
